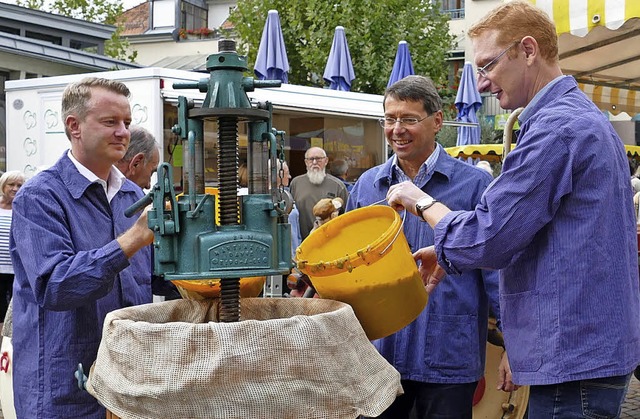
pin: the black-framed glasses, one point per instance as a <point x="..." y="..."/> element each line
<point x="314" y="159"/>
<point x="389" y="122"/>
<point x="485" y="69"/>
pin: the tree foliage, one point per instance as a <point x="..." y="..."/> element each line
<point x="97" y="11"/>
<point x="373" y="29"/>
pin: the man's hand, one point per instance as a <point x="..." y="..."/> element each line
<point x="138" y="236"/>
<point x="404" y="196"/>
<point x="429" y="269"/>
<point x="504" y="375"/>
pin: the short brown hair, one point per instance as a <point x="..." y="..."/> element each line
<point x="517" y="19"/>
<point x="76" y="96"/>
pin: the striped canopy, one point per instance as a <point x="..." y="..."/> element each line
<point x="599" y="44"/>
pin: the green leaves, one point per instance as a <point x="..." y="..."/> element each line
<point x="373" y="29"/>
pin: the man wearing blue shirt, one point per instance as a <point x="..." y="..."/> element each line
<point x="76" y="256"/>
<point x="441" y="354"/>
<point x="559" y="223"/>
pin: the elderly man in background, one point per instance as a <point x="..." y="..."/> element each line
<point x="141" y="159"/>
<point x="314" y="185"/>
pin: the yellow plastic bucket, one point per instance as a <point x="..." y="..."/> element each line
<point x="362" y="258"/>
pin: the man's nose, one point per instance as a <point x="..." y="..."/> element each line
<point x="483" y="83"/>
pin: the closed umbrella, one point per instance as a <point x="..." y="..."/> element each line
<point x="403" y="65"/>
<point x="272" y="62"/>
<point x="468" y="101"/>
<point x="339" y="70"/>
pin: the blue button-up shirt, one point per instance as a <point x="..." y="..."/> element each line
<point x="559" y="222"/>
<point x="69" y="273"/>
<point x="447" y="342"/>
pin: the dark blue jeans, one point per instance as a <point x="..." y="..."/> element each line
<point x="432" y="401"/>
<point x="599" y="398"/>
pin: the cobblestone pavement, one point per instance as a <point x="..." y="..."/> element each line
<point x="631" y="406"/>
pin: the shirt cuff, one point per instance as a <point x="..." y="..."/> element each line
<point x="440" y="232"/>
<point x="117" y="259"/>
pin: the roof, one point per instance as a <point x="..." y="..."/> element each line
<point x="135" y="20"/>
<point x="47" y="51"/>
<point x="196" y="62"/>
<point x="51" y="20"/>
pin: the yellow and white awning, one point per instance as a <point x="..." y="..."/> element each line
<point x="599" y="44"/>
<point x="578" y="17"/>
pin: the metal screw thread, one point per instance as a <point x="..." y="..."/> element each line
<point x="226" y="45"/>
<point x="228" y="170"/>
<point x="229" y="300"/>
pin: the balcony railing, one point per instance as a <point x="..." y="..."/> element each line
<point x="455" y="13"/>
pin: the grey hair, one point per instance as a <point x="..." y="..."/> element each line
<point x="339" y="167"/>
<point x="142" y="141"/>
<point x="416" y="89"/>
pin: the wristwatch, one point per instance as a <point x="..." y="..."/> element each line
<point x="423" y="204"/>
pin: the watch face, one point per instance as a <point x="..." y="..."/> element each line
<point x="424" y="202"/>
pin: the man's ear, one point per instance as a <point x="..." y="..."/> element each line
<point x="136" y="161"/>
<point x="530" y="46"/>
<point x="73" y="126"/>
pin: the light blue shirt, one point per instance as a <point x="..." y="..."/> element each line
<point x="559" y="222"/>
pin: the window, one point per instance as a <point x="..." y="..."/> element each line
<point x="455" y="8"/>
<point x="44" y="37"/>
<point x="192" y="17"/>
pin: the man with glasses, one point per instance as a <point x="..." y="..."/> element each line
<point x="559" y="222"/>
<point x="314" y="185"/>
<point x="441" y="354"/>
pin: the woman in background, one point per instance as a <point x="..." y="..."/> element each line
<point x="10" y="183"/>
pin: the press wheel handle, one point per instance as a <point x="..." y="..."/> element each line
<point x="143" y="202"/>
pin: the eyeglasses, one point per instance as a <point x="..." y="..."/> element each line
<point x="389" y="122"/>
<point x="314" y="159"/>
<point x="484" y="70"/>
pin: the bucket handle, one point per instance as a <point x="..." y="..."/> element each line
<point x="404" y="216"/>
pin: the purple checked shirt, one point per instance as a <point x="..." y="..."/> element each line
<point x="559" y="223"/>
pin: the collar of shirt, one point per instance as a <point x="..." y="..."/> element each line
<point x="425" y="172"/>
<point x="528" y="110"/>
<point x="115" y="181"/>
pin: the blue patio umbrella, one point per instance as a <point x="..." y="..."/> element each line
<point x="468" y="101"/>
<point x="403" y="65"/>
<point x="272" y="62"/>
<point x="339" y="70"/>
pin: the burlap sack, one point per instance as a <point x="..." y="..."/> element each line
<point x="288" y="358"/>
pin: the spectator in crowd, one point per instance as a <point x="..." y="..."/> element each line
<point x="76" y="256"/>
<point x="309" y="188"/>
<point x="141" y="159"/>
<point x="243" y="179"/>
<point x="138" y="165"/>
<point x="558" y="222"/>
<point x="340" y="168"/>
<point x="441" y="354"/>
<point x="10" y="184"/>
<point x="485" y="165"/>
<point x="635" y="178"/>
